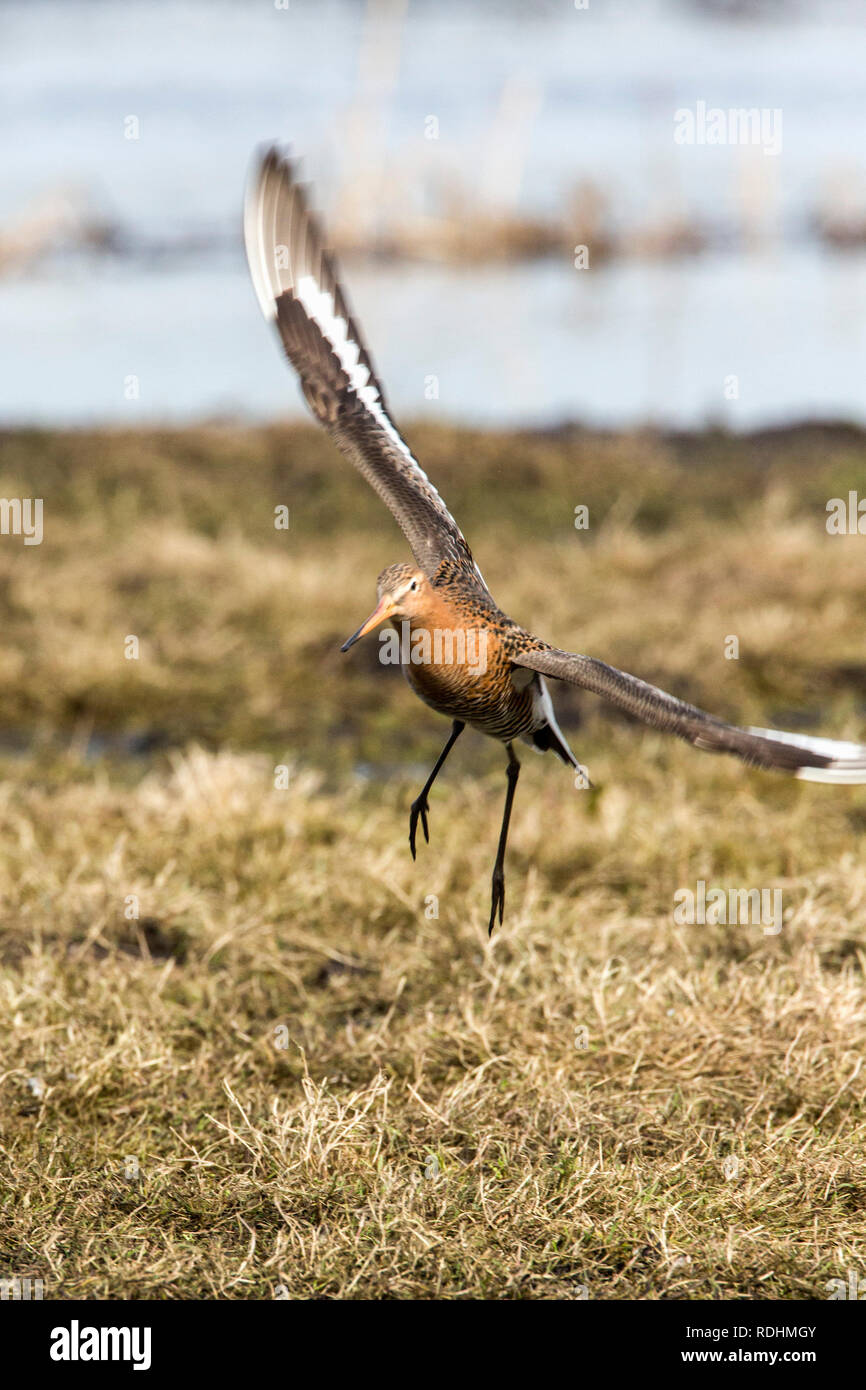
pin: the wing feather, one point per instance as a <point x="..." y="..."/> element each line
<point x="812" y="759"/>
<point x="298" y="287"/>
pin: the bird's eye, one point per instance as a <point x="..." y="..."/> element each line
<point x="413" y="586"/>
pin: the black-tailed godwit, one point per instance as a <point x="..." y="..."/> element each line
<point x="464" y="657"/>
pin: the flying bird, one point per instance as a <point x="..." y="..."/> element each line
<point x="464" y="657"/>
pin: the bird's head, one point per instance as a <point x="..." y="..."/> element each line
<point x="403" y="592"/>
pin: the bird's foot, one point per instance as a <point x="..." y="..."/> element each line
<point x="419" y="808"/>
<point x="497" y="899"/>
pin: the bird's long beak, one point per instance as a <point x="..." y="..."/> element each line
<point x="384" y="608"/>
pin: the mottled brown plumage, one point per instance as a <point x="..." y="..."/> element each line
<point x="461" y="654"/>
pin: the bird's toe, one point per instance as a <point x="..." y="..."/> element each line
<point x="418" y="809"/>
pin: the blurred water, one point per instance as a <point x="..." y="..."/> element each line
<point x="352" y="85"/>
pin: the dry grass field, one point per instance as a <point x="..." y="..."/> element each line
<point x="286" y="1077"/>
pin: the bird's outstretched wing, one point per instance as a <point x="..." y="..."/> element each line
<point x="813" y="759"/>
<point x="299" y="290"/>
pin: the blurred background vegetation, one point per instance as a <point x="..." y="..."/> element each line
<point x="171" y="537"/>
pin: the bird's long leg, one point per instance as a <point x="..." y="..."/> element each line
<point x="419" y="805"/>
<point x="512" y="772"/>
